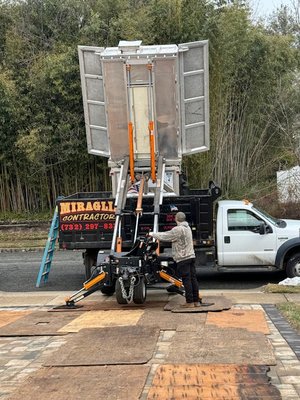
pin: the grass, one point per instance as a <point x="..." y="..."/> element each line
<point x="22" y="240"/>
<point x="273" y="288"/>
<point x="13" y="217"/>
<point x="291" y="312"/>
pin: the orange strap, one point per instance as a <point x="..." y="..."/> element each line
<point x="131" y="151"/>
<point x="152" y="150"/>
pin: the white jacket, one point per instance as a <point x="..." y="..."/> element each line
<point x="182" y="241"/>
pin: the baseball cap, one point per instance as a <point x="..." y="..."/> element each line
<point x="180" y="216"/>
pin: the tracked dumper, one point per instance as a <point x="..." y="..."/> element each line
<point x="145" y="108"/>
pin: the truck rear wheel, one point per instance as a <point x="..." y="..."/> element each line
<point x="293" y="266"/>
<point x="89" y="260"/>
<point x="140" y="291"/>
<point x="119" y="296"/>
<point x="88" y="263"/>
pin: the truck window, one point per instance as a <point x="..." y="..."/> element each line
<point x="242" y="220"/>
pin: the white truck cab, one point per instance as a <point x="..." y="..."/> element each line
<point x="248" y="237"/>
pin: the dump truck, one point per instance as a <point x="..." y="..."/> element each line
<point x="87" y="220"/>
<point x="146" y="107"/>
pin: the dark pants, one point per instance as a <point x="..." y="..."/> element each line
<point x="187" y="272"/>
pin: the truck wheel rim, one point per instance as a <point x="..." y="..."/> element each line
<point x="297" y="268"/>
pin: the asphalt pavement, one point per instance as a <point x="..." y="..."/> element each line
<point x="19" y="271"/>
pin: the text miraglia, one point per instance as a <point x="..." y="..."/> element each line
<point x="83" y="207"/>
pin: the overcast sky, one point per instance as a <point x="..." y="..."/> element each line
<point x="266" y="7"/>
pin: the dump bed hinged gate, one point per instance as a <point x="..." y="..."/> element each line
<point x="178" y="98"/>
<point x="93" y="100"/>
<point x="194" y="96"/>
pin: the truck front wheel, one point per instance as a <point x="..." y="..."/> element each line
<point x="293" y="266"/>
<point x="119" y="295"/>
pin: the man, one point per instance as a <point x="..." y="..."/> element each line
<point x="184" y="255"/>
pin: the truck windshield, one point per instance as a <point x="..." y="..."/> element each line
<point x="273" y="220"/>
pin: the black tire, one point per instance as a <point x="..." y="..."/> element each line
<point x="89" y="261"/>
<point x="293" y="266"/>
<point x="108" y="290"/>
<point x="140" y="291"/>
<point x="119" y="296"/>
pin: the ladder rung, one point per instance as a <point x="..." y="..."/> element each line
<point x="49" y="249"/>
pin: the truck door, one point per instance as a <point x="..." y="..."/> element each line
<point x="241" y="242"/>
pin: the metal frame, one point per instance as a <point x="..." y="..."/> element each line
<point x="205" y="71"/>
<point x="81" y="51"/>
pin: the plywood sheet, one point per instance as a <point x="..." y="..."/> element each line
<point x="107" y="346"/>
<point x="218" y="382"/>
<point x="6" y="317"/>
<point x="218" y="392"/>
<point x="118" y="382"/>
<point x="221" y="345"/>
<point x="40" y="323"/>
<point x="219" y="303"/>
<point x="99" y="319"/>
<point x="252" y="320"/>
<point x="110" y="305"/>
<point x="170" y="321"/>
<point x="201" y="374"/>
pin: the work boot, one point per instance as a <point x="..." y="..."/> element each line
<point x="197" y="304"/>
<point x="187" y="305"/>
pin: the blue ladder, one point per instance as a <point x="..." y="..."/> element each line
<point x="49" y="250"/>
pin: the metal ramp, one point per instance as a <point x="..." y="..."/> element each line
<point x="120" y="204"/>
<point x="49" y="250"/>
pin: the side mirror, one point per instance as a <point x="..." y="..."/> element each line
<point x="262" y="228"/>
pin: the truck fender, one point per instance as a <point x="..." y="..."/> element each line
<point x="291" y="244"/>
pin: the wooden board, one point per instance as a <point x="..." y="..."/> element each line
<point x="78" y="383"/>
<point x="221" y="346"/>
<point x="6" y="317"/>
<point x="170" y="321"/>
<point x="107" y="346"/>
<point x="217" y="382"/>
<point x="102" y="318"/>
<point x="40" y="323"/>
<point x="110" y="305"/>
<point x="252" y="320"/>
<point x="220" y="392"/>
<point x="201" y="374"/>
<point x="219" y="303"/>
